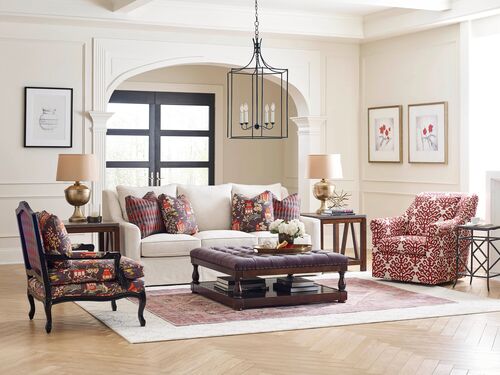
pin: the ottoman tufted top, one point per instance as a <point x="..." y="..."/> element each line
<point x="245" y="259"/>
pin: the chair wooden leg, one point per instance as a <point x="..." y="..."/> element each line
<point x="48" y="313"/>
<point x="31" y="300"/>
<point x="113" y="305"/>
<point x="142" y="305"/>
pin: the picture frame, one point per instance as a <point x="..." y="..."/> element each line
<point x="48" y="117"/>
<point x="385" y="134"/>
<point x="428" y="133"/>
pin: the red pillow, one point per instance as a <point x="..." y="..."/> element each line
<point x="145" y="213"/>
<point x="178" y="215"/>
<point x="288" y="208"/>
<point x="252" y="214"/>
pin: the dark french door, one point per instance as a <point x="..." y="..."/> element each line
<point x="157" y="138"/>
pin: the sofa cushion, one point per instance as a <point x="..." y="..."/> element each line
<point x="55" y="238"/>
<point x="177" y="214"/>
<point x="253" y="190"/>
<point x="124" y="191"/>
<point x="145" y="213"/>
<point x="211" y="238"/>
<point x="252" y="214"/>
<point x="211" y="204"/>
<point x="410" y="245"/>
<point x="168" y="245"/>
<point x="288" y="208"/>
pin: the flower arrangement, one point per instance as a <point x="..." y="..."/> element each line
<point x="384" y="136"/>
<point x="287" y="230"/>
<point x="428" y="135"/>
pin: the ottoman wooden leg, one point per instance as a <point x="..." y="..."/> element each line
<point x="342" y="287"/>
<point x="237" y="287"/>
<point x="196" y="275"/>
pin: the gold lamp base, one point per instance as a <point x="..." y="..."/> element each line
<point x="322" y="190"/>
<point x="77" y="195"/>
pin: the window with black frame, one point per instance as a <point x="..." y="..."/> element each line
<point x="157" y="138"/>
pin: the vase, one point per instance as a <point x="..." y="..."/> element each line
<point x="285" y="237"/>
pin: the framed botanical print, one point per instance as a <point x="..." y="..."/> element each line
<point x="48" y="117"/>
<point x="428" y="133"/>
<point x="385" y="138"/>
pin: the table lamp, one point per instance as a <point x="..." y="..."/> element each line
<point x="77" y="167"/>
<point x="323" y="167"/>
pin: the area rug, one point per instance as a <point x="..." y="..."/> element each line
<point x="174" y="313"/>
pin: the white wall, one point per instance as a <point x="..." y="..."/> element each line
<point x="417" y="68"/>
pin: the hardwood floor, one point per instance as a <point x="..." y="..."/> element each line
<point x="80" y="344"/>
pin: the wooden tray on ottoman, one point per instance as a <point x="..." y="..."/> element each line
<point x="243" y="262"/>
<point x="294" y="249"/>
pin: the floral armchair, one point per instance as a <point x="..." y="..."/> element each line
<point x="420" y="245"/>
<point x="56" y="273"/>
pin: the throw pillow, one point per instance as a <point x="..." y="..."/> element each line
<point x="252" y="214"/>
<point x="145" y="213"/>
<point x="55" y="238"/>
<point x="177" y="214"/>
<point x="288" y="208"/>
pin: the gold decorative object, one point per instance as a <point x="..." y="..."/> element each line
<point x="77" y="167"/>
<point x="324" y="167"/>
<point x="337" y="200"/>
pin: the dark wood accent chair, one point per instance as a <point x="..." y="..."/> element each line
<point x="83" y="276"/>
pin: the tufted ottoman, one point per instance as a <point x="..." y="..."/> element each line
<point x="243" y="262"/>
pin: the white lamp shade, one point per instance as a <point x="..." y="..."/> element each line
<point x="324" y="166"/>
<point x="77" y="167"/>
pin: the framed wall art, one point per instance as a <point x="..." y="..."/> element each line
<point x="48" y="117"/>
<point x="428" y="133"/>
<point x="385" y="134"/>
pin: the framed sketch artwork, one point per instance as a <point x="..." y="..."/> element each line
<point x="48" y="117"/>
<point x="385" y="134"/>
<point x="428" y="133"/>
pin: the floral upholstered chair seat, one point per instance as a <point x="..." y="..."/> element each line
<point x="419" y="246"/>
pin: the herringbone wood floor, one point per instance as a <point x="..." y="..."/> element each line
<point x="79" y="344"/>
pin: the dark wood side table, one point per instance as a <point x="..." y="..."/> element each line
<point x="476" y="248"/>
<point x="348" y="221"/>
<point x="109" y="233"/>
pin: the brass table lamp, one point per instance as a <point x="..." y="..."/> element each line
<point x="323" y="167"/>
<point x="77" y="167"/>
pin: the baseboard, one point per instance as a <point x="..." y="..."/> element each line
<point x="11" y="256"/>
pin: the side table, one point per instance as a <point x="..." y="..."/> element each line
<point x="109" y="233"/>
<point x="348" y="221"/>
<point x="476" y="243"/>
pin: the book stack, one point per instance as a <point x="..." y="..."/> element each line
<point x="295" y="285"/>
<point x="339" y="211"/>
<point x="226" y="284"/>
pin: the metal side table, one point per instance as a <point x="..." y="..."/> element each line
<point x="476" y="243"/>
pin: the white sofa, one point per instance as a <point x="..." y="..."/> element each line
<point x="166" y="256"/>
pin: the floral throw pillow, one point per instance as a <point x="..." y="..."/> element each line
<point x="145" y="213"/>
<point x="287" y="209"/>
<point x="178" y="215"/>
<point x="55" y="238"/>
<point x="252" y="214"/>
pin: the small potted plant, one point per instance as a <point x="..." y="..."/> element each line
<point x="287" y="230"/>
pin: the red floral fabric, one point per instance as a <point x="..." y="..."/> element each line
<point x="178" y="215"/>
<point x="399" y="255"/>
<point x="287" y="209"/>
<point x="252" y="214"/>
<point x="55" y="238"/>
<point x="100" y="289"/>
<point x="145" y="213"/>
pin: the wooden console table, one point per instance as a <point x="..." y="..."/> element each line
<point x="109" y="233"/>
<point x="348" y="221"/>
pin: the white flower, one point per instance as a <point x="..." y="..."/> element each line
<point x="273" y="227"/>
<point x="294" y="228"/>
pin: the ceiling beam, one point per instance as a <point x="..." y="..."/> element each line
<point x="127" y="6"/>
<point x="432" y="5"/>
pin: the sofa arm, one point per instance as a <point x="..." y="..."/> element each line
<point x="313" y="228"/>
<point x="387" y="227"/>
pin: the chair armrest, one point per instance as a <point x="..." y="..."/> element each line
<point x="387" y="227"/>
<point x="313" y="229"/>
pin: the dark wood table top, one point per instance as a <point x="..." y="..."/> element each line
<point x="102" y="225"/>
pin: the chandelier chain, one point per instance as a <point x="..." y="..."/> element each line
<point x="256" y="23"/>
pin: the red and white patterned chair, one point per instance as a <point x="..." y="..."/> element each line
<point x="420" y="245"/>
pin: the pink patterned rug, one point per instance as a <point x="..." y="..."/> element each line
<point x="182" y="308"/>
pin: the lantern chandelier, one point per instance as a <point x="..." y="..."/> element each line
<point x="252" y="112"/>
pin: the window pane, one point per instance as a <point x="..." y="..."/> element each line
<point x="184" y="117"/>
<point x="126" y="176"/>
<point x="127" y="148"/>
<point x="128" y="116"/>
<point x="191" y="176"/>
<point x="184" y="148"/>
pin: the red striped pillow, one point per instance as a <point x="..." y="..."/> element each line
<point x="288" y="208"/>
<point x="145" y="213"/>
